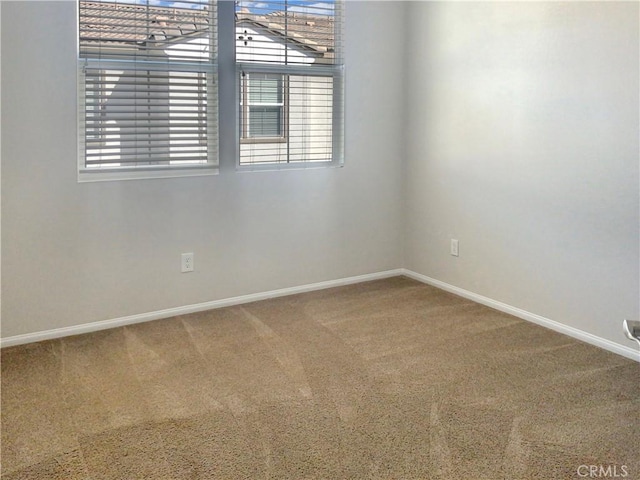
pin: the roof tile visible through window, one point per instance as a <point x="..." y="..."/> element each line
<point x="313" y="31"/>
<point x="121" y="23"/>
<point x="128" y="23"/>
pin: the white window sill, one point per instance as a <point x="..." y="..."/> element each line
<point x="144" y="173"/>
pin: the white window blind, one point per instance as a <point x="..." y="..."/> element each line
<point x="147" y="85"/>
<point x="299" y="43"/>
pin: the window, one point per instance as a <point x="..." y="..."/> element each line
<point x="147" y="87"/>
<point x="290" y="81"/>
<point x="263" y="106"/>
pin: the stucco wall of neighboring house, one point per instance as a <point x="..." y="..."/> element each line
<point x="259" y="47"/>
<point x="74" y="253"/>
<point x="525" y="149"/>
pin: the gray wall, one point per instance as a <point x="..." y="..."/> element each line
<point x="525" y="148"/>
<point x="76" y="253"/>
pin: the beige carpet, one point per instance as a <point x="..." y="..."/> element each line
<point x="388" y="379"/>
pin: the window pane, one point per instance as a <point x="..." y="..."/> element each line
<point x="288" y="32"/>
<point x="308" y="131"/>
<point x="145" y="117"/>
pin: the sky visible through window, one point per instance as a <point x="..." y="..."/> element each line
<point x="325" y="7"/>
<point x="315" y="8"/>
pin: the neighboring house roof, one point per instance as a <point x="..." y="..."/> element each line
<point x="128" y="23"/>
<point x="122" y="23"/>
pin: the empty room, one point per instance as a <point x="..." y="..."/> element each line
<point x="328" y="239"/>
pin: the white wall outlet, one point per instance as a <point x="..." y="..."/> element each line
<point x="187" y="262"/>
<point x="454" y="247"/>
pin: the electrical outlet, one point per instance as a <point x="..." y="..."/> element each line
<point x="454" y="247"/>
<point x="187" y="262"/>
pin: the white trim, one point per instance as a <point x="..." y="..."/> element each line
<point x="627" y="352"/>
<point x="199" y="307"/>
<point x="531" y="317"/>
<point x="142" y="173"/>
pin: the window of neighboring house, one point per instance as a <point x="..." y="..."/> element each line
<point x="147" y="88"/>
<point x="262" y="104"/>
<point x="290" y="79"/>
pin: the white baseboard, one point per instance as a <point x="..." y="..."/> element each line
<point x="586" y="337"/>
<point x="227" y="302"/>
<point x="199" y="307"/>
